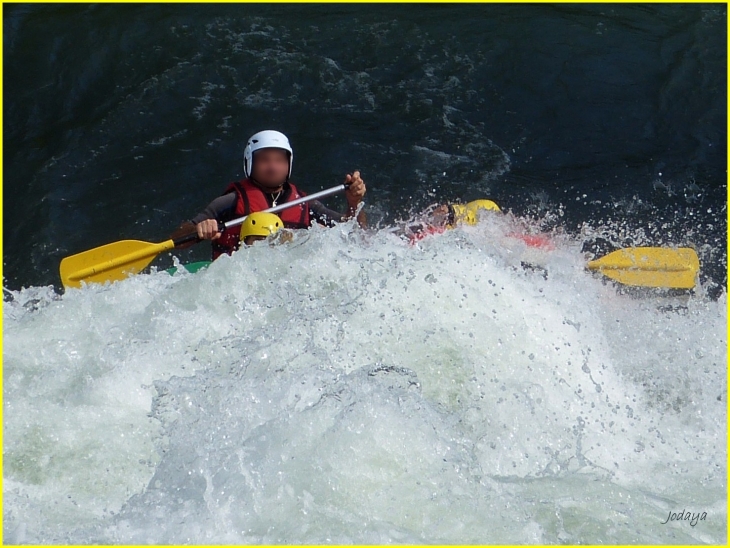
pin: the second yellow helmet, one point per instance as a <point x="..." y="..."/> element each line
<point x="476" y="205"/>
<point x="469" y="213"/>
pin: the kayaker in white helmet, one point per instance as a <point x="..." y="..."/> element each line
<point x="267" y="165"/>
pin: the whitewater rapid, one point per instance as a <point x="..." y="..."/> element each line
<point x="350" y="387"/>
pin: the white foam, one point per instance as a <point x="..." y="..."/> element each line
<point x="349" y="387"/>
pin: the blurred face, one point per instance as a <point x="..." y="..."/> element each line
<point x="270" y="167"/>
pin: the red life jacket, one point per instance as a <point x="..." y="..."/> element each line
<point x="541" y="241"/>
<point x="250" y="199"/>
<point x="425" y="232"/>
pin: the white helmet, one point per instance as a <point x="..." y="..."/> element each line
<point x="265" y="139"/>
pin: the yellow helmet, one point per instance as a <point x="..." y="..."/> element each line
<point x="261" y="223"/>
<point x="462" y="214"/>
<point x="469" y="213"/>
<point x="459" y="210"/>
<point x="476" y="205"/>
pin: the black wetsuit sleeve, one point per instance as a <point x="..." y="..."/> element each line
<point x="222" y="208"/>
<point x="324" y="215"/>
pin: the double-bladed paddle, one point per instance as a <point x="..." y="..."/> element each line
<point x="116" y="261"/>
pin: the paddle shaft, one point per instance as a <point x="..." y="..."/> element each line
<point x="117" y="260"/>
<point x="235" y="222"/>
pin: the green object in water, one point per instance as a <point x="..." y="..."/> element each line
<point x="192" y="267"/>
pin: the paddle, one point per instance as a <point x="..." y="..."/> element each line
<point x="650" y="267"/>
<point x="118" y="260"/>
<point x="638" y="266"/>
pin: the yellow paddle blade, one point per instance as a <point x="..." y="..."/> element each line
<point x="650" y="267"/>
<point x="110" y="262"/>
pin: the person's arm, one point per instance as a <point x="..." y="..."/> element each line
<point x="328" y="217"/>
<point x="324" y="215"/>
<point x="205" y="223"/>
<point x="219" y="209"/>
<point x="362" y="219"/>
<point x="354" y="195"/>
